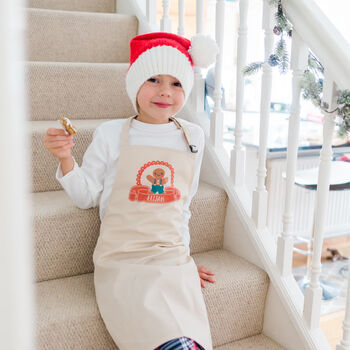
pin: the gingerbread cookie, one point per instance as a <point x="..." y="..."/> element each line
<point x="67" y="125"/>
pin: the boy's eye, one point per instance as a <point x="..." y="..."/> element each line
<point x="153" y="80"/>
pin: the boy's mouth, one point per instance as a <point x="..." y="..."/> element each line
<point x="162" y="105"/>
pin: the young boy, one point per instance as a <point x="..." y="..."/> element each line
<point x="144" y="171"/>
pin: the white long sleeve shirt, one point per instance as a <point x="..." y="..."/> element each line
<point x="91" y="184"/>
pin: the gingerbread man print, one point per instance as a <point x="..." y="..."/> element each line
<point x="158" y="180"/>
<point x="162" y="190"/>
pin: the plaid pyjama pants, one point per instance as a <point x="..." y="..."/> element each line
<point x="182" y="343"/>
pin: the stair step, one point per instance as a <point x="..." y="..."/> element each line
<point x="257" y="342"/>
<point x="77" y="90"/>
<point x="68" y="316"/>
<point x="236" y="302"/>
<point x="76" y="5"/>
<point x="66" y="236"/>
<point x="72" y="36"/>
<point x="44" y="164"/>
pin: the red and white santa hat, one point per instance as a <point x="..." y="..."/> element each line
<point x="167" y="53"/>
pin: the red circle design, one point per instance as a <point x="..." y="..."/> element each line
<point x="155" y="162"/>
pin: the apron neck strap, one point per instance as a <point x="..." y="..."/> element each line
<point x="124" y="139"/>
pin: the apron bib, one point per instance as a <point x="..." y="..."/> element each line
<point x="147" y="288"/>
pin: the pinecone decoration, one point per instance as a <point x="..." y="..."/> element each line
<point x="273" y="60"/>
<point x="277" y="30"/>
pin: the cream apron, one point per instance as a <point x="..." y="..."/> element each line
<point x="147" y="288"/>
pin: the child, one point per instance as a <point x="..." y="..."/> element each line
<point x="147" y="285"/>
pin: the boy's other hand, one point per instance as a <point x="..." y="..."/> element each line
<point x="204" y="275"/>
<point x="59" y="143"/>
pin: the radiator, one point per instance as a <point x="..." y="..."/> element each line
<point x="338" y="211"/>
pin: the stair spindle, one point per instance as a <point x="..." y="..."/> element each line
<point x="344" y="343"/>
<point x="210" y="23"/>
<point x="238" y="154"/>
<point x="199" y="16"/>
<point x="299" y="58"/>
<point x="151" y="11"/>
<point x="313" y="292"/>
<point x="259" y="205"/>
<point x="198" y="86"/>
<point x="165" y="22"/>
<point x="216" y="117"/>
<point x="181" y="18"/>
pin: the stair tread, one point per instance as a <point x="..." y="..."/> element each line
<point x="65" y="235"/>
<point x="256" y="342"/>
<point x="55" y="35"/>
<point x="235" y="303"/>
<point x="80" y="90"/>
<point x="77" y="5"/>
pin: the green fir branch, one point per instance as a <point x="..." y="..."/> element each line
<point x="344" y="97"/>
<point x="282" y="21"/>
<point x="281" y="47"/>
<point x="283" y="67"/>
<point x="252" y="68"/>
<point x="312" y="88"/>
<point x="282" y="54"/>
<point x="343" y="127"/>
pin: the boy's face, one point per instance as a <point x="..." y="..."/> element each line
<point x="159" y="98"/>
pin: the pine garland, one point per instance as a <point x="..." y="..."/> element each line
<point x="344" y="112"/>
<point x="252" y="68"/>
<point x="312" y="81"/>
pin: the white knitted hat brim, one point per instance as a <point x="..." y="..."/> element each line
<point x="159" y="60"/>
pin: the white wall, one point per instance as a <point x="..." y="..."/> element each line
<point x="16" y="265"/>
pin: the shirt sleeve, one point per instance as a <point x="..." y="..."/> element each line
<point x="193" y="191"/>
<point x="84" y="184"/>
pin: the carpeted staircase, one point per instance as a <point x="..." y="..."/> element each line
<point x="77" y="58"/>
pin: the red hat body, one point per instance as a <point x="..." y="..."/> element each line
<point x="143" y="42"/>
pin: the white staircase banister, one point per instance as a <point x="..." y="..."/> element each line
<point x="199" y="16"/>
<point x="165" y="22"/>
<point x="344" y="343"/>
<point x="151" y="11"/>
<point x="322" y="37"/>
<point x="199" y="83"/>
<point x="260" y="195"/>
<point x="299" y="59"/>
<point x="216" y="117"/>
<point x="313" y="292"/>
<point x="238" y="154"/>
<point x="181" y="18"/>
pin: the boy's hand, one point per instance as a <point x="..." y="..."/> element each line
<point x="58" y="143"/>
<point x="204" y="275"/>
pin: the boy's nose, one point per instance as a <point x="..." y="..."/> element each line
<point x="164" y="90"/>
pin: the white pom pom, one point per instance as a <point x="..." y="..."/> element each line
<point x="203" y="50"/>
